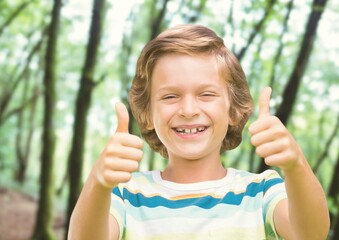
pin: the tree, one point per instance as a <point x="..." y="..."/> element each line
<point x="12" y="84"/>
<point x="333" y="195"/>
<point x="13" y="15"/>
<point x="290" y="92"/>
<point x="291" y="89"/>
<point x="258" y="26"/>
<point x="325" y="153"/>
<point x="22" y="141"/>
<point x="83" y="103"/>
<point x="155" y="25"/>
<point x="281" y="44"/>
<point x="43" y="226"/>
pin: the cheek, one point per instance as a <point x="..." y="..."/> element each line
<point x="159" y="117"/>
<point x="224" y="121"/>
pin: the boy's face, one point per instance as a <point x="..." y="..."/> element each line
<point x="189" y="106"/>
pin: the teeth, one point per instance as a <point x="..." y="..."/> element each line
<point x="200" y="129"/>
<point x="190" y="131"/>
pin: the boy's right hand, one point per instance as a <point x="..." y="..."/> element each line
<point x="121" y="155"/>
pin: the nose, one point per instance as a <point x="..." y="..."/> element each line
<point x="189" y="107"/>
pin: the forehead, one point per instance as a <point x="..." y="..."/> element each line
<point x="182" y="70"/>
<point x="185" y="63"/>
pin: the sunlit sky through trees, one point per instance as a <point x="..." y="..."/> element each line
<point x="318" y="97"/>
<point x="118" y="22"/>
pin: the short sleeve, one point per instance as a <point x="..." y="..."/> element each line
<point x="274" y="192"/>
<point x="117" y="208"/>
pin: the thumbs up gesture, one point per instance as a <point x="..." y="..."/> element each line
<point x="272" y="140"/>
<point x="121" y="155"/>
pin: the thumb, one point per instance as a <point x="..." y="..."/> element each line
<point x="123" y="117"/>
<point x="264" y="102"/>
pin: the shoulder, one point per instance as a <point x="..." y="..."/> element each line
<point x="262" y="181"/>
<point x="245" y="175"/>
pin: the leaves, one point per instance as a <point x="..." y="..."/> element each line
<point x="265" y="30"/>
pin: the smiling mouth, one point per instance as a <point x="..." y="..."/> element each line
<point x="186" y="131"/>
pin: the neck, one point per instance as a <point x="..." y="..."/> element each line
<point x="192" y="171"/>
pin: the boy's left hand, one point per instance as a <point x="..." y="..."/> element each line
<point x="272" y="140"/>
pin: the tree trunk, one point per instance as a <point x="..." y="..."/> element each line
<point x="291" y="90"/>
<point x="11" y="86"/>
<point x="327" y="146"/>
<point x="44" y="221"/>
<point x="151" y="160"/>
<point x="83" y="102"/>
<point x="290" y="93"/>
<point x="336" y="231"/>
<point x="196" y="12"/>
<point x="335" y="228"/>
<point x="334" y="186"/>
<point x="256" y="29"/>
<point x="124" y="57"/>
<point x="13" y="16"/>
<point x="333" y="195"/>
<point x="23" y="141"/>
<point x="157" y="21"/>
<point x="281" y="44"/>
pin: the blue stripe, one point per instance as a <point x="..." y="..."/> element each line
<point x="269" y="183"/>
<point x="117" y="192"/>
<point x="207" y="202"/>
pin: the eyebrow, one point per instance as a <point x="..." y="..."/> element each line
<point x="203" y="86"/>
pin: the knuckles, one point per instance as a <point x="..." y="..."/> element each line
<point x="113" y="149"/>
<point x="113" y="179"/>
<point x="285" y="143"/>
<point x="119" y="159"/>
<point x="270" y="130"/>
<point x="260" y="152"/>
<point x="139" y="154"/>
<point x="127" y="139"/>
<point x="107" y="162"/>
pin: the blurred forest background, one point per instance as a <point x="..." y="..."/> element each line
<point x="64" y="64"/>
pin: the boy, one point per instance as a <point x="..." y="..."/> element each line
<point x="191" y="101"/>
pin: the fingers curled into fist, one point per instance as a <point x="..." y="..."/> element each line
<point x="121" y="155"/>
<point x="270" y="137"/>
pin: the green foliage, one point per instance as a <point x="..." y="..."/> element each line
<point x="314" y="114"/>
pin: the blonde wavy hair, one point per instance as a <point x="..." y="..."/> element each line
<point x="192" y="40"/>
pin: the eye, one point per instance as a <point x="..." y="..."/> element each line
<point x="208" y="94"/>
<point x="169" y="97"/>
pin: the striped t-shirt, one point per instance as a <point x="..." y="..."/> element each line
<point x="238" y="206"/>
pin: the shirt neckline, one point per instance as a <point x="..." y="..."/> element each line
<point x="156" y="174"/>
